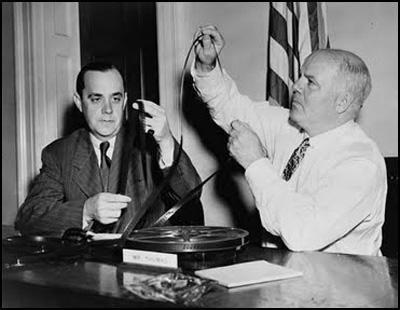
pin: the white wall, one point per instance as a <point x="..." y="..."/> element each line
<point x="368" y="29"/>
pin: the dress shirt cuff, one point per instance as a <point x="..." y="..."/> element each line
<point x="207" y="84"/>
<point x="166" y="156"/>
<point x="86" y="219"/>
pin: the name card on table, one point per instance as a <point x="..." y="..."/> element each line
<point x="149" y="258"/>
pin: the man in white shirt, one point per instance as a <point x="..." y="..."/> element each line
<point x="86" y="181"/>
<point x="318" y="181"/>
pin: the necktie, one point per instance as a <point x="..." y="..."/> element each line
<point x="295" y="159"/>
<point x="104" y="164"/>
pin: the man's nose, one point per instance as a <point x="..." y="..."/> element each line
<point x="107" y="107"/>
<point x="297" y="86"/>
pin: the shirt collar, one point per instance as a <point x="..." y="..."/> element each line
<point x="96" y="142"/>
<point x="331" y="135"/>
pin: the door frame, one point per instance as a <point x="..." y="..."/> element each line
<point x="37" y="88"/>
<point x="24" y="84"/>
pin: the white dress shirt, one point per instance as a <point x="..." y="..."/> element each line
<point x="334" y="201"/>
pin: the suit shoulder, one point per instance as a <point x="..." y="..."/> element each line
<point x="64" y="144"/>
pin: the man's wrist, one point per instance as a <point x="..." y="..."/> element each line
<point x="261" y="155"/>
<point x="204" y="68"/>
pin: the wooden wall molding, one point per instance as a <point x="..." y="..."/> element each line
<point x="47" y="59"/>
<point x="24" y="97"/>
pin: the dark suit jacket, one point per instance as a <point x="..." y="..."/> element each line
<point x="70" y="175"/>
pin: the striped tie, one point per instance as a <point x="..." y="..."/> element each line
<point x="104" y="164"/>
<point x="295" y="159"/>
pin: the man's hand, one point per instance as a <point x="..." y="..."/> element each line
<point x="156" y="121"/>
<point x="209" y="45"/>
<point x="244" y="145"/>
<point x="105" y="207"/>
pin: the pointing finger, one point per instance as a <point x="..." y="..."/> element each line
<point x="118" y="206"/>
<point x="110" y="197"/>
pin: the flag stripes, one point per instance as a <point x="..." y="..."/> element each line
<point x="313" y="23"/>
<point x="295" y="30"/>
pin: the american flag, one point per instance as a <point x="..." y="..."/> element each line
<point x="295" y="30"/>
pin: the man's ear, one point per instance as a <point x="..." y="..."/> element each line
<point x="343" y="102"/>
<point x="78" y="101"/>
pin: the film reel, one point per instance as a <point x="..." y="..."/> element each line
<point x="187" y="239"/>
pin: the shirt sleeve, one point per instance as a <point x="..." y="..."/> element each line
<point x="312" y="221"/>
<point x="226" y="104"/>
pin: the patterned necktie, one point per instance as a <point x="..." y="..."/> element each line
<point x="295" y="159"/>
<point x="104" y="164"/>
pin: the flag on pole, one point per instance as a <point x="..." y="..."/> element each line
<point x="295" y="30"/>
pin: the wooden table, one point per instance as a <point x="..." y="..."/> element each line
<point x="329" y="280"/>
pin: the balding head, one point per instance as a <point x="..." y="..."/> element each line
<point x="352" y="70"/>
<point x="330" y="91"/>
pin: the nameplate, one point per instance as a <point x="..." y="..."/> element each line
<point x="149" y="258"/>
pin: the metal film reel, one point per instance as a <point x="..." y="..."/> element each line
<point x="188" y="239"/>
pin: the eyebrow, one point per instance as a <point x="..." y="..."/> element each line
<point x="100" y="95"/>
<point x="311" y="77"/>
<point x="117" y="94"/>
<point x="94" y="95"/>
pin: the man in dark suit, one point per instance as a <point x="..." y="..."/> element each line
<point x="86" y="181"/>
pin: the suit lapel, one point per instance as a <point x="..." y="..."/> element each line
<point x="86" y="170"/>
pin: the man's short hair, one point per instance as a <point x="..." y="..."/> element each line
<point x="94" y="66"/>
<point x="355" y="72"/>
